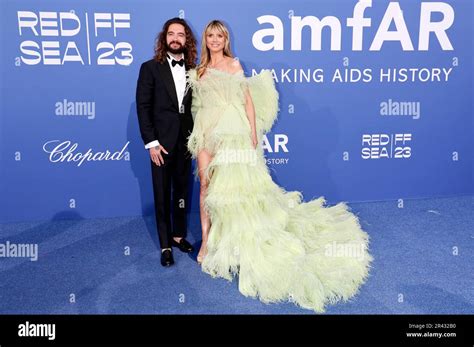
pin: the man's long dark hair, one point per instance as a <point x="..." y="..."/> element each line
<point x="190" y="50"/>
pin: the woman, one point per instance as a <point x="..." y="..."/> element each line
<point x="281" y="248"/>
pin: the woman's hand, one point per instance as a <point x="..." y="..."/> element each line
<point x="254" y="139"/>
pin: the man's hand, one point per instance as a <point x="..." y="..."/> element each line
<point x="156" y="156"/>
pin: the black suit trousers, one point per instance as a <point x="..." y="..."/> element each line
<point x="172" y="178"/>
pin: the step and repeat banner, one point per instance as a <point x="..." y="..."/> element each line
<point x="375" y="99"/>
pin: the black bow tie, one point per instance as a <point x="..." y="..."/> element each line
<point x="180" y="62"/>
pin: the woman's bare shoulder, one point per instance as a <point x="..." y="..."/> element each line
<point x="234" y="65"/>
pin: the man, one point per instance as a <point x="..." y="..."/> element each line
<point x="164" y="115"/>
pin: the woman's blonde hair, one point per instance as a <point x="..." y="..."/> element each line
<point x="205" y="54"/>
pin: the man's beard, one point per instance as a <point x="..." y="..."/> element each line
<point x="179" y="50"/>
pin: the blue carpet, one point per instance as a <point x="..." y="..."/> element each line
<point x="423" y="265"/>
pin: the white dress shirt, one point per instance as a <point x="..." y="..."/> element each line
<point x="179" y="78"/>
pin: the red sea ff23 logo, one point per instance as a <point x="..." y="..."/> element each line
<point x="59" y="38"/>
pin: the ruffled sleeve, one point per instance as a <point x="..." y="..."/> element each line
<point x="265" y="100"/>
<point x="192" y="82"/>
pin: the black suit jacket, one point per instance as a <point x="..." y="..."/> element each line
<point x="157" y="106"/>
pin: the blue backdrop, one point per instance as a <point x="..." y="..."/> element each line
<point x="376" y="99"/>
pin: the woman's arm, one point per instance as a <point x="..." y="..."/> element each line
<point x="249" y="107"/>
<point x="250" y="110"/>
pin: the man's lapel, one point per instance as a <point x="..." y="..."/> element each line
<point x="168" y="80"/>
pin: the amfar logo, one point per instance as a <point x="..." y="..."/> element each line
<point x="71" y="32"/>
<point x="358" y="22"/>
<point x="60" y="152"/>
<point x="276" y="144"/>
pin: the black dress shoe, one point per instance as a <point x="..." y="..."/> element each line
<point x="167" y="258"/>
<point x="183" y="245"/>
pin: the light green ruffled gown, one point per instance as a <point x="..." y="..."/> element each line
<point x="281" y="248"/>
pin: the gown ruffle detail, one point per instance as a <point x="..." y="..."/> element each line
<point x="281" y="248"/>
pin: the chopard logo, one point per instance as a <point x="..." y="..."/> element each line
<point x="60" y="152"/>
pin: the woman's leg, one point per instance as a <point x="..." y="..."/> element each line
<point x="203" y="160"/>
